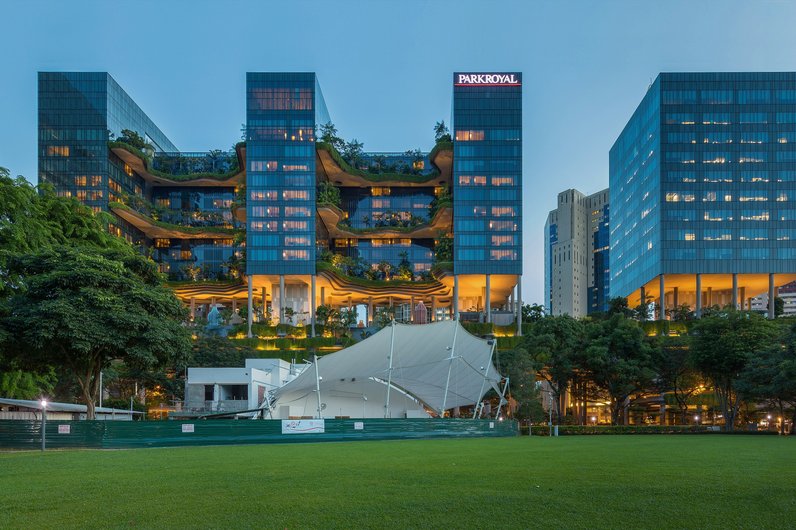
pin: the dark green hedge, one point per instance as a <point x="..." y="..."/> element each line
<point x="571" y="430"/>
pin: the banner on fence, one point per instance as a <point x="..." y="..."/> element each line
<point x="303" y="426"/>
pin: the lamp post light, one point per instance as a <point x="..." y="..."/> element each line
<point x="594" y="420"/>
<point x="43" y="423"/>
<point x="696" y="419"/>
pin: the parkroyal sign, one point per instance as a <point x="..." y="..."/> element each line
<point x="487" y="79"/>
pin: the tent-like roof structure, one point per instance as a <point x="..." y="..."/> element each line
<point x="426" y="361"/>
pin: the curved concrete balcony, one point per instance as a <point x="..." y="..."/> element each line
<point x="156" y="229"/>
<point x="140" y="166"/>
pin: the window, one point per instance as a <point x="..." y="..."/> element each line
<point x="265" y="211"/>
<point x="752" y="117"/>
<point x="295" y="167"/>
<point x="752" y="196"/>
<point x="291" y="255"/>
<point x="753" y="158"/>
<point x="718" y="215"/>
<point x="717" y="234"/>
<point x="504" y="240"/>
<point x="754" y="253"/>
<point x="786" y="137"/>
<point x="786" y="234"/>
<point x="299" y="241"/>
<point x="754" y="215"/>
<point x="753" y="234"/>
<point x="263" y="226"/>
<point x="711" y="137"/>
<point x="470" y="136"/>
<point x="785" y="96"/>
<point x="714" y="97"/>
<point x="715" y="158"/>
<point x="507" y="226"/>
<point x="472" y="180"/>
<point x="294" y="226"/>
<point x="295" y="195"/>
<point x="500" y="255"/>
<point x="753" y="137"/>
<point x="681" y="137"/>
<point x="679" y="97"/>
<point x="753" y="96"/>
<point x="503" y="211"/>
<point x="503" y="181"/>
<point x="718" y="253"/>
<point x="681" y="157"/>
<point x="716" y="118"/>
<point x="679" y="118"/>
<point x="162" y="243"/>
<point x="786" y="117"/>
<point x="80" y="180"/>
<point x="380" y="191"/>
<point x="297" y="211"/>
<point x="786" y="156"/>
<point x="57" y="150"/>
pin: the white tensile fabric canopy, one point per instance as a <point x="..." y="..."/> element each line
<point x="426" y="359"/>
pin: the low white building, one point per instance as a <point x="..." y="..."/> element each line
<point x="218" y="390"/>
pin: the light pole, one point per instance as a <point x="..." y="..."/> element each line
<point x="43" y="423"/>
<point x="364" y="402"/>
<point x="550" y="409"/>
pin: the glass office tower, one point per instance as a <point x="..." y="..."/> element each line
<point x="78" y="111"/>
<point x="282" y="110"/>
<point x="703" y="186"/>
<point x="487" y="173"/>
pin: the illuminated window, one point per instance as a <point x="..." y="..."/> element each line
<point x="263" y="195"/>
<point x="339" y="243"/>
<point x="57" y="150"/>
<point x="689" y="236"/>
<point x="503" y="211"/>
<point x="128" y="170"/>
<point x="81" y="195"/>
<point x="186" y="255"/>
<point x="506" y="226"/>
<point x="379" y="192"/>
<point x="469" y="136"/>
<point x="297" y="211"/>
<point x="295" y="167"/>
<point x="295" y="194"/>
<point x="472" y="180"/>
<point x="271" y="165"/>
<point x="502" y="254"/>
<point x="503" y="181"/>
<point x="501" y="241"/>
<point x="263" y="226"/>
<point x="80" y="180"/>
<point x="418" y="164"/>
<point x="162" y="243"/>
<point x="114" y="186"/>
<point x="96" y="180"/>
<point x="294" y="226"/>
<point x="295" y="254"/>
<point x="265" y="211"/>
<point x="479" y="211"/>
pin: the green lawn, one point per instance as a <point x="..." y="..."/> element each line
<point x="626" y="482"/>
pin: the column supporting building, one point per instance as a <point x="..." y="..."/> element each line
<point x="488" y="298"/>
<point x="698" y="294"/>
<point x="742" y="296"/>
<point x="455" y="297"/>
<point x="281" y="298"/>
<point x="312" y="305"/>
<point x="250" y="308"/>
<point x="735" y="290"/>
<point x="772" y="295"/>
<point x="675" y="297"/>
<point x="519" y="306"/>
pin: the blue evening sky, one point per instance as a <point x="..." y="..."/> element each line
<point x="385" y="68"/>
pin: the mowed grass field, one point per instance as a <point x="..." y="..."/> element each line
<point x="624" y="482"/>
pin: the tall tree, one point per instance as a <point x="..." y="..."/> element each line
<point x="722" y="346"/>
<point x="552" y="345"/>
<point x="674" y="371"/>
<point x="618" y="359"/>
<point x="518" y="365"/>
<point x="770" y="376"/>
<point x="83" y="309"/>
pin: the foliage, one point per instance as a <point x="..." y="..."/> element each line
<point x="83" y="309"/>
<point x="329" y="136"/>
<point x="532" y="312"/>
<point x="721" y="348"/>
<point x="618" y="359"/>
<point x="132" y="138"/>
<point x="328" y="193"/>
<point x="552" y="346"/>
<point x="441" y="132"/>
<point x="382" y="176"/>
<point x="17" y="384"/>
<point x="518" y="365"/>
<point x="674" y="371"/>
<point x="443" y="248"/>
<point x="147" y="161"/>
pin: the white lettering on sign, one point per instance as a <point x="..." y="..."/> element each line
<point x="187" y="427"/>
<point x="303" y="426"/>
<point x="64" y="429"/>
<point x="491" y="424"/>
<point x="488" y="79"/>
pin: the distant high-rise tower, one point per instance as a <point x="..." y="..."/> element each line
<point x="576" y="254"/>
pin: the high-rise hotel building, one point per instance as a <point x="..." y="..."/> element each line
<point x="576" y="254"/>
<point x="285" y="222"/>
<point x="703" y="191"/>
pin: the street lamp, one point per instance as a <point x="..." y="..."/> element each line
<point x="594" y="419"/>
<point x="696" y="419"/>
<point x="43" y="423"/>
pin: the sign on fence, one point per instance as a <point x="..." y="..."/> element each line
<point x="64" y="429"/>
<point x="303" y="426"/>
<point x="359" y="425"/>
<point x="187" y="427"/>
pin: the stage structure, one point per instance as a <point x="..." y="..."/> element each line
<point x="403" y="371"/>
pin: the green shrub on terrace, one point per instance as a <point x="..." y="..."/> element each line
<point x="373" y="177"/>
<point x="167" y="176"/>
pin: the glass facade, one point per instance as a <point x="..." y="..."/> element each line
<point x="78" y="111"/>
<point x="487" y="173"/>
<point x="703" y="178"/>
<point x="282" y="111"/>
<point x="599" y="291"/>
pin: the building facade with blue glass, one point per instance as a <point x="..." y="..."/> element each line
<point x="703" y="184"/>
<point x="292" y="218"/>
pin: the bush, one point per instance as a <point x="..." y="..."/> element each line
<point x="573" y="430"/>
